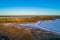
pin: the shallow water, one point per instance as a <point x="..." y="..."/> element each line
<point x="53" y="25"/>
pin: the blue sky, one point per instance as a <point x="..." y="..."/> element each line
<point x="29" y="7"/>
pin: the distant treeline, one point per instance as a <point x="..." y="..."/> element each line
<point x="27" y="20"/>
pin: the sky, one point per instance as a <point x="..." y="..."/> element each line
<point x="29" y="7"/>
